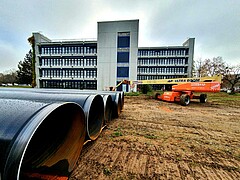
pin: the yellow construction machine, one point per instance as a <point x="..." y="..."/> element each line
<point x="173" y="81"/>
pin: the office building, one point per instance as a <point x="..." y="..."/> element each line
<point x="65" y="64"/>
<point x="103" y="63"/>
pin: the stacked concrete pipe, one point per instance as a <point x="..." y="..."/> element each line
<point x="19" y="154"/>
<point x="92" y="105"/>
<point x="117" y="96"/>
<point x="39" y="139"/>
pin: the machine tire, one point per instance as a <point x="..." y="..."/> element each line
<point x="184" y="99"/>
<point x="156" y="95"/>
<point x="203" y="98"/>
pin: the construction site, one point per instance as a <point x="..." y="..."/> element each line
<point x="161" y="140"/>
<point x="153" y="139"/>
<point x="190" y="132"/>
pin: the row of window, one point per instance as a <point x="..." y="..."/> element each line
<point x="164" y="52"/>
<point x="68" y="73"/>
<point x="150" y="77"/>
<point x="123" y="44"/>
<point x="162" y="61"/>
<point x="68" y="50"/>
<point x="161" y="70"/>
<point x="68" y="62"/>
<point x="69" y="84"/>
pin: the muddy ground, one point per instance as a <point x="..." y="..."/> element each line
<point x="159" y="140"/>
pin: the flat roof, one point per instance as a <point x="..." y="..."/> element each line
<point x="163" y="47"/>
<point x="118" y="21"/>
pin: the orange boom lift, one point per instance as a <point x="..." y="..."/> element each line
<point x="184" y="92"/>
<point x="182" y="88"/>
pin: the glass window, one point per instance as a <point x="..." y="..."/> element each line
<point x="123" y="72"/>
<point x="123" y="42"/>
<point x="123" y="57"/>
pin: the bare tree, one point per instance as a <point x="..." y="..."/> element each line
<point x="231" y="77"/>
<point x="9" y="76"/>
<point x="211" y="67"/>
<point x="198" y="67"/>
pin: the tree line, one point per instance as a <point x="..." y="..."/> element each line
<point x="21" y="76"/>
<point x="210" y="67"/>
<point x="201" y="68"/>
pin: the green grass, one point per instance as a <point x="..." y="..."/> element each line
<point x="107" y="172"/>
<point x="222" y="96"/>
<point x="132" y="94"/>
<point x="150" y="136"/>
<point x="117" y="133"/>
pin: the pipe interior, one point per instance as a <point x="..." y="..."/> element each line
<point x="119" y="105"/>
<point x="122" y="102"/>
<point x="108" y="109"/>
<point x="56" y="144"/>
<point x="96" y="117"/>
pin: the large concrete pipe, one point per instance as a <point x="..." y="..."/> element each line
<point x="122" y="95"/>
<point x="92" y="105"/>
<point x="117" y="96"/>
<point x="39" y="140"/>
<point x="107" y="99"/>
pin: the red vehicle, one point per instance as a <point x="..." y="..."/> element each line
<point x="183" y="93"/>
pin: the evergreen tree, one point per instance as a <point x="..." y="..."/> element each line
<point x="24" y="73"/>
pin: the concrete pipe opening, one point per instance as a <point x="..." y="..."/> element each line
<point x="122" y="100"/>
<point x="94" y="111"/>
<point x="117" y="102"/>
<point x="117" y="96"/>
<point x="108" y="105"/>
<point x="48" y="145"/>
<point x="117" y="105"/>
<point x="92" y="105"/>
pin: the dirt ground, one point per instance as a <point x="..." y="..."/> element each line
<point x="159" y="140"/>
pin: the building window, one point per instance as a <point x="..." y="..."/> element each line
<point x="123" y="42"/>
<point x="123" y="72"/>
<point x="123" y="57"/>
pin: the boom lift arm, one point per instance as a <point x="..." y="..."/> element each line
<point x="217" y="78"/>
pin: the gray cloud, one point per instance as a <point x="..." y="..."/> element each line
<point x="214" y="23"/>
<point x="8" y="56"/>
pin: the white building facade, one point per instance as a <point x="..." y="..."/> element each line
<point x="117" y="53"/>
<point x="103" y="63"/>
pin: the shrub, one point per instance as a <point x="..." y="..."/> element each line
<point x="145" y="88"/>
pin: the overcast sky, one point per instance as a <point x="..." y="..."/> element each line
<point x="215" y="24"/>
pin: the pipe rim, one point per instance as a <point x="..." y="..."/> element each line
<point x="107" y="108"/>
<point x="117" y="104"/>
<point x="92" y="102"/>
<point x="25" y="136"/>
